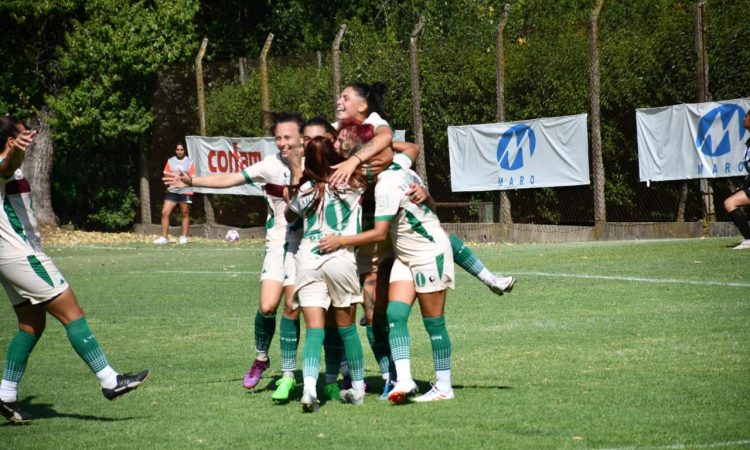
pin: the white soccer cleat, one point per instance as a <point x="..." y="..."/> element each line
<point x="500" y="285"/>
<point x="309" y="401"/>
<point x="402" y="390"/>
<point x="161" y="240"/>
<point x="435" y="395"/>
<point x="744" y="245"/>
<point x="352" y="396"/>
<point x="183" y="240"/>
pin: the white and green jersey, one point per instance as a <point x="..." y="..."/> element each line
<point x="338" y="213"/>
<point x="415" y="229"/>
<point x="271" y="175"/>
<point x="19" y="234"/>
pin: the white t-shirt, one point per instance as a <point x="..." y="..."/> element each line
<point x="176" y="165"/>
<point x="338" y="213"/>
<point x="272" y="175"/>
<point x="415" y="229"/>
<point x="19" y="233"/>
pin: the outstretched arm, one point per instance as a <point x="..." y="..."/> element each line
<point x="218" y="180"/>
<point x="378" y="234"/>
<point x="382" y="140"/>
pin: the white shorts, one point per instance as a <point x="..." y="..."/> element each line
<point x="334" y="283"/>
<point x="433" y="275"/>
<point x="273" y="263"/>
<point x="370" y="256"/>
<point x="33" y="278"/>
<point x="290" y="269"/>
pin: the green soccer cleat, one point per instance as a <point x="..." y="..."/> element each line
<point x="331" y="391"/>
<point x="284" y="387"/>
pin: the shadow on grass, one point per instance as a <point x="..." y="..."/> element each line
<point x="46" y="411"/>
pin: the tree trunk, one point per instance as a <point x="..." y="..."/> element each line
<point x="501" y="203"/>
<point x="597" y="159"/>
<point x="145" y="189"/>
<point x="707" y="192"/>
<point x="37" y="168"/>
<point x="416" y="98"/>
<point x="336" y="61"/>
<point x="207" y="207"/>
<point x="265" y="98"/>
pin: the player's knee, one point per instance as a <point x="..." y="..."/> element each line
<point x="729" y="205"/>
<point x="398" y="312"/>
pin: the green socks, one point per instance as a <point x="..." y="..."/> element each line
<point x="398" y="317"/>
<point x="86" y="345"/>
<point x="265" y="327"/>
<point x="354" y="354"/>
<point x="289" y="341"/>
<point x="464" y="257"/>
<point x="334" y="349"/>
<point x="377" y="335"/>
<point x="441" y="342"/>
<point x="311" y="353"/>
<point x="18" y="354"/>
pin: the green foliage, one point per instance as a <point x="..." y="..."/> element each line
<point x="117" y="211"/>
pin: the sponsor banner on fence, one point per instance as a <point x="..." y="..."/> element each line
<point x="699" y="140"/>
<point x="536" y="153"/>
<point x="212" y="155"/>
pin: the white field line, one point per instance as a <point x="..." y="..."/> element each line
<point x="637" y="279"/>
<point x="195" y="272"/>
<point x="167" y="248"/>
<point x="683" y="446"/>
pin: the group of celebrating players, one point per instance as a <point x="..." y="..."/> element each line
<point x="349" y="223"/>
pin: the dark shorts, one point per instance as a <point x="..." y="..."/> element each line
<point x="179" y="198"/>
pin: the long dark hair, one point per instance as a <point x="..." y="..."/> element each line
<point x="320" y="156"/>
<point x="8" y="129"/>
<point x="373" y="95"/>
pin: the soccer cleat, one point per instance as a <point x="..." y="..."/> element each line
<point x="309" y="401"/>
<point x="331" y="391"/>
<point x="387" y="388"/>
<point x="125" y="383"/>
<point x="346" y="382"/>
<point x="252" y="377"/>
<point x="183" y="240"/>
<point x="402" y="390"/>
<point x="434" y="395"/>
<point x="500" y="285"/>
<point x="13" y="413"/>
<point x="353" y="396"/>
<point x="284" y="387"/>
<point x="744" y="245"/>
<point x="161" y="240"/>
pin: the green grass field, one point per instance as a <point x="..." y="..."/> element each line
<point x="618" y="345"/>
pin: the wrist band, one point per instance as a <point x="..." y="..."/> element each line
<point x="357" y="156"/>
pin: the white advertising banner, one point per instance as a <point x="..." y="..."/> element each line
<point x="213" y="155"/>
<point x="536" y="153"/>
<point x="699" y="140"/>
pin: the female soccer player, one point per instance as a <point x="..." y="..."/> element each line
<point x="35" y="286"/>
<point x="423" y="265"/>
<point x="272" y="173"/>
<point x="326" y="280"/>
<point x="734" y="203"/>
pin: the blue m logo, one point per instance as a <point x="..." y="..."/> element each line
<point x="718" y="128"/>
<point x="514" y="143"/>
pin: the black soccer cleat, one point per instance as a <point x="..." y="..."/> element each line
<point x="125" y="383"/>
<point x="13" y="413"/>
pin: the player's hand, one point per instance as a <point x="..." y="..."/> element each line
<point x="23" y="140"/>
<point x="343" y="172"/>
<point x="329" y="244"/>
<point x="417" y="193"/>
<point x="178" y="180"/>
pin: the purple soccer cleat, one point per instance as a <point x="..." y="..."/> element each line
<point x="252" y="377"/>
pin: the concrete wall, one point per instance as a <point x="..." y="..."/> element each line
<point x="520" y="232"/>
